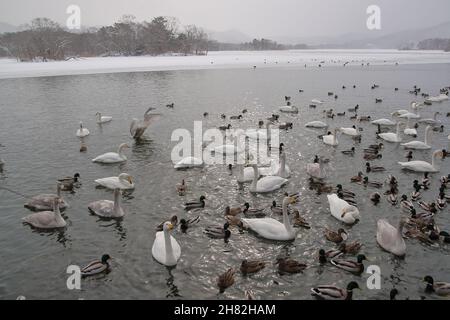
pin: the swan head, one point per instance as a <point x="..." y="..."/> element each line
<point x="81" y="124"/>
<point x="167" y="226"/>
<point x="105" y="258"/>
<point x="126" y="177"/>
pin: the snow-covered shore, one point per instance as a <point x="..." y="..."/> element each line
<point x="10" y="68"/>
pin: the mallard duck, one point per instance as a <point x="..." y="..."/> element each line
<point x="372" y="156"/>
<point x="252" y="266"/>
<point x="223" y="116"/>
<point x="68" y="183"/>
<point x="349" y="199"/>
<point x="356" y="267"/>
<point x="357" y="178"/>
<point x="345" y="192"/>
<point x="336" y="237"/>
<point x="299" y="221"/>
<point x="205" y="114"/>
<point x="83" y="147"/>
<point x="223" y="128"/>
<point x="441" y="201"/>
<point x="232" y="211"/>
<point x="430" y="207"/>
<point x="185" y="224"/>
<point x="405" y="204"/>
<point x="330" y="292"/>
<point x="234" y="220"/>
<point x="392" y="198"/>
<point x="173" y="220"/>
<point x="181" y="188"/>
<point x="373" y="184"/>
<point x="369" y="168"/>
<point x="392" y="294"/>
<point x="287" y="265"/>
<point x="375" y="198"/>
<point x="195" y="204"/>
<point x="421" y="219"/>
<point x="256" y="212"/>
<point x="97" y="266"/>
<point x="440" y="288"/>
<point x="219" y="232"/>
<point x="226" y="280"/>
<point x="409" y="155"/>
<point x="350" y="152"/>
<point x="330" y="254"/>
<point x="425" y="181"/>
<point x="415" y="195"/>
<point x="236" y="117"/>
<point x="285" y="126"/>
<point x="350" y="248"/>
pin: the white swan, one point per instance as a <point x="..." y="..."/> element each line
<point x="331" y="139"/>
<point x="272" y="229"/>
<point x="288" y="109"/>
<point x="188" y="162"/>
<point x="419" y="145"/>
<point x="390" y="238"/>
<point x="383" y="122"/>
<point x="282" y="170"/>
<point x="102" y="119"/>
<point x="410" y="131"/>
<point x="316" y="101"/>
<point x="166" y="249"/>
<point x="314" y="170"/>
<point x="413" y="106"/>
<point x="137" y="127"/>
<point x="432" y="121"/>
<point x="113" y="157"/>
<point x="410" y="115"/>
<point x="123" y="181"/>
<point x="266" y="184"/>
<point x="44" y="202"/>
<point x="350" y="131"/>
<point x="341" y="210"/>
<point x="439" y="98"/>
<point x="244" y="174"/>
<point x="82" y="131"/>
<point x="422" y="166"/>
<point x="390" y="136"/>
<point x="316" y="124"/>
<point x="46" y="219"/>
<point x="107" y="208"/>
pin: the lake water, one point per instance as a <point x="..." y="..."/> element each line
<point x="38" y="120"/>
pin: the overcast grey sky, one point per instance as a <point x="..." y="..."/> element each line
<point x="257" y="18"/>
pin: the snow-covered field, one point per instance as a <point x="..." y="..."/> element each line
<point x="221" y="59"/>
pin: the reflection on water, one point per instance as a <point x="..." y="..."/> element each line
<point x="44" y="147"/>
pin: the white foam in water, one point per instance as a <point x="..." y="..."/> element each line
<point x="10" y="68"/>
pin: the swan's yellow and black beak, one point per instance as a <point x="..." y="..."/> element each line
<point x="130" y="180"/>
<point x="170" y="226"/>
<point x="293" y="199"/>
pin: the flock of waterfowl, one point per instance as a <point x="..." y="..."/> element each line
<point x="265" y="179"/>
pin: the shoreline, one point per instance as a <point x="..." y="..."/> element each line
<point x="11" y="69"/>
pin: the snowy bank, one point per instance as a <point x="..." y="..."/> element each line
<point x="10" y="68"/>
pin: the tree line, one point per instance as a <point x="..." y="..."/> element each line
<point x="434" y="44"/>
<point x="43" y="39"/>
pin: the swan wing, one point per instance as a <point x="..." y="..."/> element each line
<point x="270" y="183"/>
<point x="389" y="238"/>
<point x="102" y="208"/>
<point x="268" y="228"/>
<point x="109" y="157"/>
<point x="159" y="250"/>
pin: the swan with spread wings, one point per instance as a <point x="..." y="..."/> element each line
<point x="138" y="127"/>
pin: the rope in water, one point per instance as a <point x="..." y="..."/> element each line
<point x="15" y="192"/>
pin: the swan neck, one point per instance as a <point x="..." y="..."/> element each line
<point x="116" y="200"/>
<point x="286" y="222"/>
<point x="283" y="163"/>
<point x="255" y="177"/>
<point x="168" y="246"/>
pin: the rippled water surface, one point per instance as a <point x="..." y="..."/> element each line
<point x="38" y="120"/>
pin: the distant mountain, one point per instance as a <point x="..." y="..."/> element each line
<point x="5" y="27"/>
<point x="229" y="36"/>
